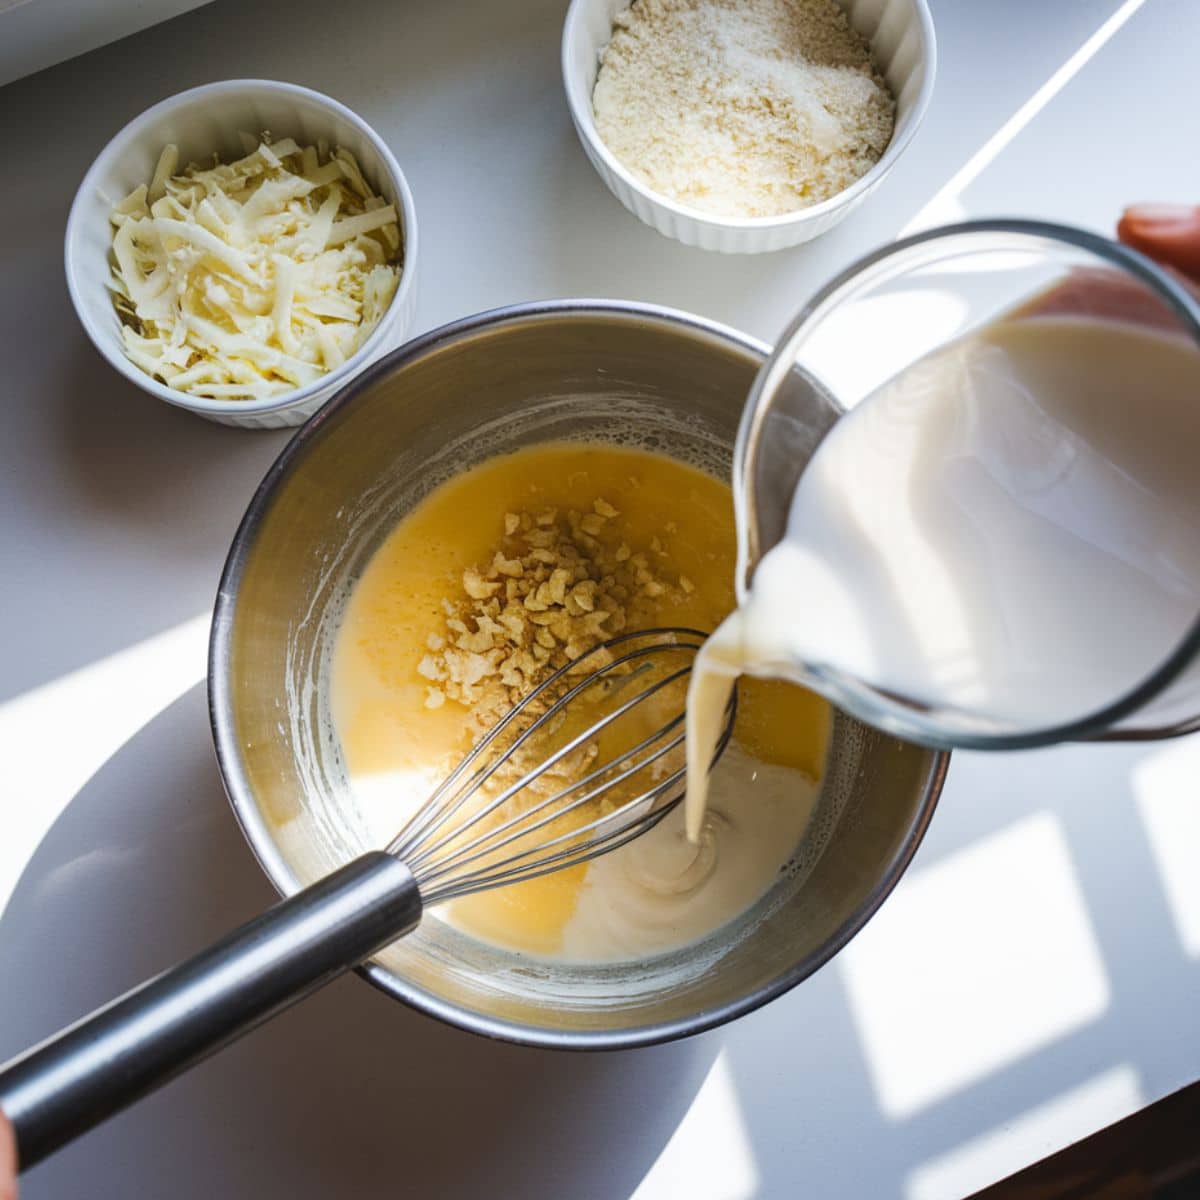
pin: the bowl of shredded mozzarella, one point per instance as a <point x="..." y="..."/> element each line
<point x="242" y="250"/>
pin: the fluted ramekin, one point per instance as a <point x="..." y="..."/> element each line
<point x="902" y="40"/>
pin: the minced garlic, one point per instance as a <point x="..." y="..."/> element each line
<point x="249" y="279"/>
<point x="558" y="583"/>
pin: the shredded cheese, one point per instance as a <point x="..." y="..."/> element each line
<point x="742" y="108"/>
<point x="249" y="279"/>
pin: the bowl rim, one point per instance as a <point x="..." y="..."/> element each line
<point x="584" y="120"/>
<point x="250" y="817"/>
<point x="120" y="142"/>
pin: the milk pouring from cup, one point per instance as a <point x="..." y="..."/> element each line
<point x="1000" y="544"/>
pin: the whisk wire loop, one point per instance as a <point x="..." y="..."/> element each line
<point x="486" y="881"/>
<point x="543" y="767"/>
<point x="547" y="811"/>
<point x="445" y="800"/>
<point x="452" y="858"/>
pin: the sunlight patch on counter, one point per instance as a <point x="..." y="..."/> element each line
<point x="1164" y="784"/>
<point x="54" y="738"/>
<point x="710" y="1153"/>
<point x="946" y="205"/>
<point x="975" y="962"/>
<point x="1029" y="1137"/>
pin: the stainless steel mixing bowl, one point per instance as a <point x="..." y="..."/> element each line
<point x="579" y="370"/>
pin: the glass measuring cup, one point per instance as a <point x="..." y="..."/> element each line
<point x="885" y="312"/>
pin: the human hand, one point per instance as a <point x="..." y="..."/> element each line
<point x="1167" y="233"/>
<point x="8" y="1160"/>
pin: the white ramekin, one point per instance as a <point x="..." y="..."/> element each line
<point x="202" y="121"/>
<point x="901" y="37"/>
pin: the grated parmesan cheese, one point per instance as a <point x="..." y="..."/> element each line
<point x="745" y="108"/>
<point x="249" y="279"/>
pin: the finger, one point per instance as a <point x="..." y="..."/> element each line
<point x="8" y="1161"/>
<point x="1168" y="233"/>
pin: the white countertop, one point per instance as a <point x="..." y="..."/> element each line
<point x="39" y="33"/>
<point x="1035" y="976"/>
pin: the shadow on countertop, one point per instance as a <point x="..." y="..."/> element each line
<point x="349" y="1094"/>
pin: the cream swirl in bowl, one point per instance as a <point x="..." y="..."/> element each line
<point x="662" y="891"/>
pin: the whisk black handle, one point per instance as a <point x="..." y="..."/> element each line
<point x="103" y="1063"/>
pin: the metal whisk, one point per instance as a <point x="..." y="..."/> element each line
<point x="513" y="809"/>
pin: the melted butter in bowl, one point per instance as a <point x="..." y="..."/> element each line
<point x="659" y="544"/>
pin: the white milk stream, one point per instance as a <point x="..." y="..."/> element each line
<point x="1010" y="528"/>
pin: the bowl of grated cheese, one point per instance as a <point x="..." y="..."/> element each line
<point x="746" y="126"/>
<point x="242" y="250"/>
